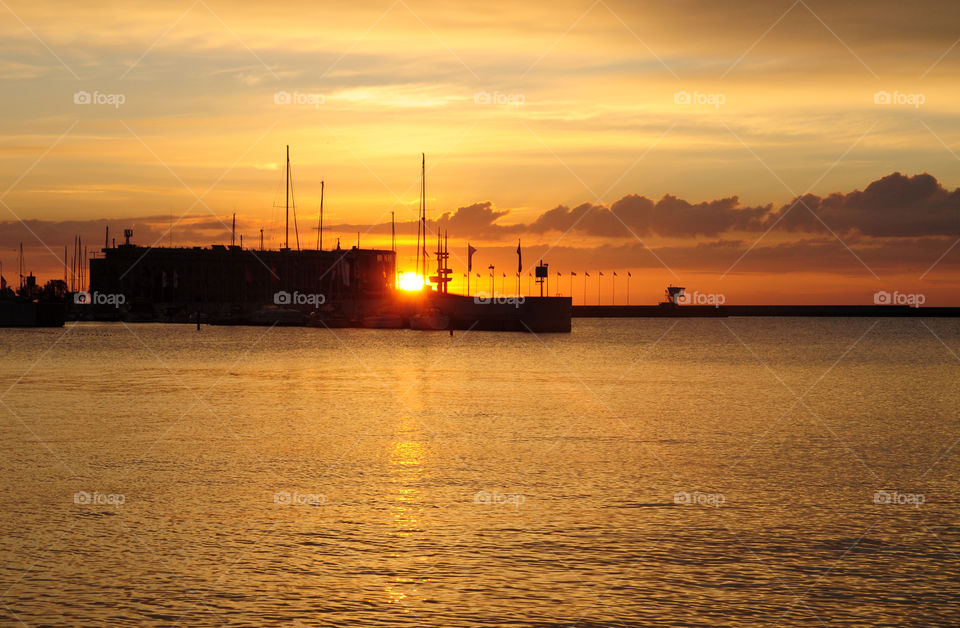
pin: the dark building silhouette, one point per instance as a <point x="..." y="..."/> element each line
<point x="230" y="280"/>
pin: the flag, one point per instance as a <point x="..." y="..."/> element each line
<point x="601" y="273"/>
<point x="573" y="274"/>
<point x="504" y="275"/>
<point x="470" y="252"/>
<point x="586" y="274"/>
<point x="629" y="274"/>
<point x="519" y="258"/>
<point x="558" y="274"/>
<point x="614" y="273"/>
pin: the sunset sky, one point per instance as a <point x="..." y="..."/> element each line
<point x="775" y="152"/>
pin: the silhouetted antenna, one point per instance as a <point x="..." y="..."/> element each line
<point x="320" y="221"/>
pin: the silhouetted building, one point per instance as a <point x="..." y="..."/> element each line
<point x="227" y="280"/>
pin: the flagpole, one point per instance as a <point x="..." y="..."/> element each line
<point x="519" y="266"/>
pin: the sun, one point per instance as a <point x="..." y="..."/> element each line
<point x="411" y="282"/>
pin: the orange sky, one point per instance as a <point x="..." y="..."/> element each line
<point x="193" y="103"/>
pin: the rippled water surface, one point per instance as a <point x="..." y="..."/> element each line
<point x="633" y="472"/>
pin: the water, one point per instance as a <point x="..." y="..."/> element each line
<point x="249" y="476"/>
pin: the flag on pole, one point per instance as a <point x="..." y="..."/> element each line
<point x="614" y="273"/>
<point x="629" y="274"/>
<point x="519" y="258"/>
<point x="601" y="273"/>
<point x="586" y="274"/>
<point x="470" y="252"/>
<point x="573" y="274"/>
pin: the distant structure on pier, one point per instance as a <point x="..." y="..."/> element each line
<point x="673" y="295"/>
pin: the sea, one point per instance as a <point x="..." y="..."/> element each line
<point x="634" y="472"/>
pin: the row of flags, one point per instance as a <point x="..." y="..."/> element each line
<point x="559" y="274"/>
<point x="471" y="250"/>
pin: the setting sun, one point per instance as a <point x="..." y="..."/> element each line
<point x="411" y="282"/>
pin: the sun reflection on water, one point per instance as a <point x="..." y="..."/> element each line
<point x="407" y="465"/>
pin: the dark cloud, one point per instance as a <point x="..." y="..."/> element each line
<point x="478" y="218"/>
<point x="640" y="216"/>
<point x="894" y="206"/>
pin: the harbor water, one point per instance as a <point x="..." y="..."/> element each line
<point x="635" y="472"/>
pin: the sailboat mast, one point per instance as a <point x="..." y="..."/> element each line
<point x="286" y="237"/>
<point x="423" y="207"/>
